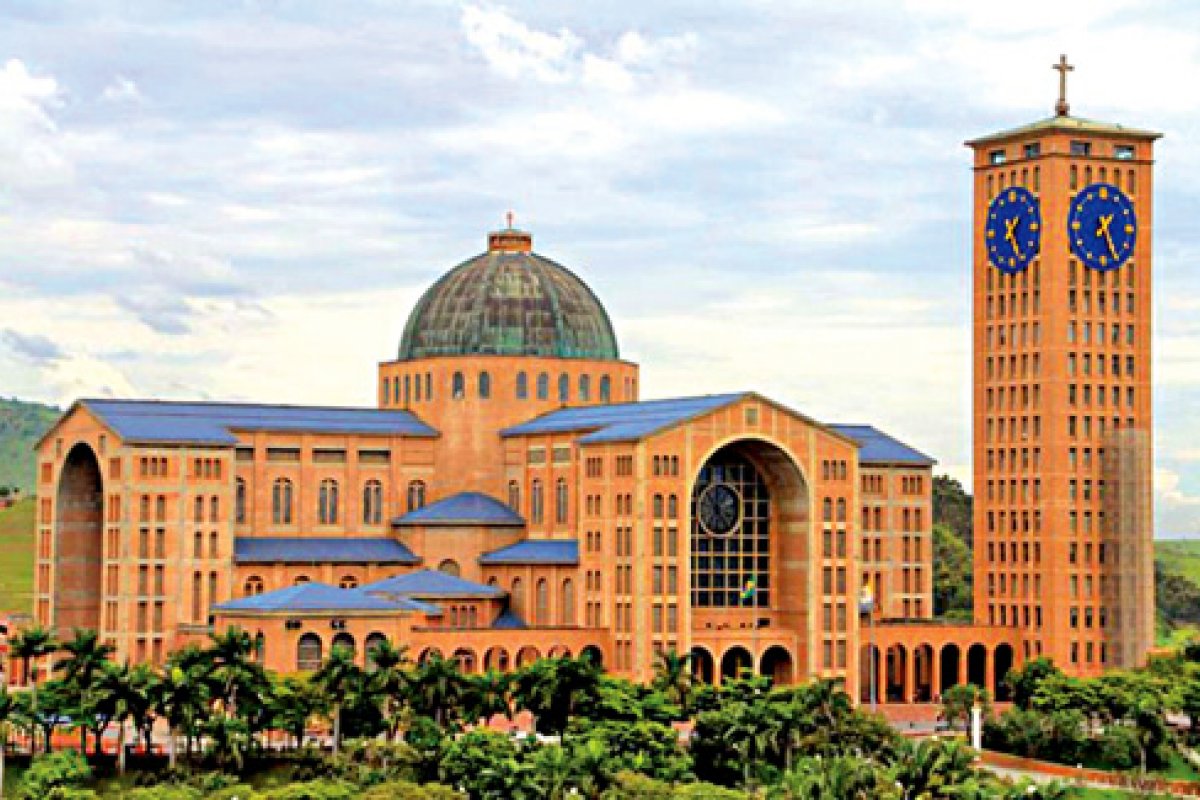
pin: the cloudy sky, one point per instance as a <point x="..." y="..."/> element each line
<point x="243" y="200"/>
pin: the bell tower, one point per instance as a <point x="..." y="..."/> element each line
<point x="1063" y="527"/>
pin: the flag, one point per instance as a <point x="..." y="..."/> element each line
<point x="866" y="598"/>
<point x="750" y="589"/>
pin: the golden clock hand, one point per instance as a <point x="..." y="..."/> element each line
<point x="1010" y="226"/>
<point x="1105" y="222"/>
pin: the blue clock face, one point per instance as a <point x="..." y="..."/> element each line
<point x="1014" y="229"/>
<point x="1102" y="226"/>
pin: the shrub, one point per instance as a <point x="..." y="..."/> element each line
<point x="633" y="786"/>
<point x="313" y="790"/>
<point x="64" y="769"/>
<point x="238" y="791"/>
<point x="167" y="792"/>
<point x="706" y="791"/>
<point x="403" y="790"/>
<point x="1119" y="747"/>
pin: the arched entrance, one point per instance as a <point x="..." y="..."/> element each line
<point x="977" y="665"/>
<point x="897" y="674"/>
<point x="79" y="542"/>
<point x="593" y="654"/>
<point x="496" y="658"/>
<point x="951" y="657"/>
<point x="1002" y="664"/>
<point x="345" y="641"/>
<point x="704" y="669"/>
<point x="736" y="662"/>
<point x="465" y="658"/>
<point x="777" y="665"/>
<point x="922" y="689"/>
<point x="527" y="655"/>
<point x="559" y="651"/>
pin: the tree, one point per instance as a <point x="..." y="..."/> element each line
<point x="29" y="645"/>
<point x="9" y="710"/>
<point x="231" y="666"/>
<point x="116" y="683"/>
<point x="389" y="680"/>
<point x="958" y="700"/>
<point x="86" y="656"/>
<point x="953" y="507"/>
<point x="182" y="698"/>
<point x="952" y="575"/>
<point x="1023" y="682"/>
<point x="437" y="688"/>
<point x="673" y="677"/>
<point x="338" y="678"/>
<point x="294" y="701"/>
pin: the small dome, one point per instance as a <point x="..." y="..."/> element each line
<point x="509" y="301"/>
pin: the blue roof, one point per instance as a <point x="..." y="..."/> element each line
<point x="323" y="550"/>
<point x="322" y="597"/>
<point x="213" y="423"/>
<point x="535" y="551"/>
<point x="509" y="620"/>
<point x="431" y="583"/>
<point x="624" y="421"/>
<point x="876" y="447"/>
<point x="467" y="508"/>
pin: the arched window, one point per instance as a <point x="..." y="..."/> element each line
<point x="396" y="391"/>
<point x="514" y="496"/>
<point x="585" y="388"/>
<point x="348" y="582"/>
<point x="387" y="390"/>
<point x="658" y="506"/>
<point x="417" y="388"/>
<point x="144" y="508"/>
<point x="605" y="389"/>
<point x="198" y="509"/>
<point x="517" y="597"/>
<point x="407" y="391"/>
<point x="372" y="503"/>
<point x="542" y="603"/>
<point x="564" y="388"/>
<point x="198" y="545"/>
<point x="458" y="386"/>
<point x="214" y="509"/>
<point x="308" y="653"/>
<point x="281" y="502"/>
<point x="327" y="510"/>
<point x="428" y="385"/>
<point x="214" y="541"/>
<point x="841" y="509"/>
<point x="568" y="602"/>
<point x="827" y="510"/>
<point x="160" y="509"/>
<point x="416" y="495"/>
<point x="253" y="586"/>
<point x="300" y="580"/>
<point x="372" y="641"/>
<point x="560" y="501"/>
<point x="260" y="647"/>
<point x="673" y="507"/>
<point x="543" y="387"/>
<point x="212" y="588"/>
<point x="522" y="386"/>
<point x="485" y="386"/>
<point x="536" y="501"/>
<point x="239" y="501"/>
<point x="450" y="567"/>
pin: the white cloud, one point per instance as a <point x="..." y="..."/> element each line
<point x="517" y="51"/>
<point x="122" y="90"/>
<point x="30" y="151"/>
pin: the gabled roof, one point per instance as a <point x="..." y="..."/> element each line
<point x="509" y="620"/>
<point x="876" y="447"/>
<point x="432" y="584"/>
<point x="467" y="508"/>
<point x="535" y="551"/>
<point x="322" y="550"/>
<point x="1069" y="124"/>
<point x="322" y="597"/>
<point x="623" y="421"/>
<point x="214" y="423"/>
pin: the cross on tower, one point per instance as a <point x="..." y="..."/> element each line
<point x="509" y="217"/>
<point x="1061" y="108"/>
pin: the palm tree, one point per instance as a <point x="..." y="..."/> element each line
<point x="182" y="698"/>
<point x="29" y="645"/>
<point x="293" y="702"/>
<point x="142" y="701"/>
<point x="437" y="688"/>
<point x="231" y="664"/>
<point x="491" y="694"/>
<point x="115" y="682"/>
<point x="86" y="655"/>
<point x="337" y="678"/>
<point x="387" y="678"/>
<point x="673" y="677"/>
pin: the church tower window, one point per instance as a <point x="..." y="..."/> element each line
<point x="239" y="501"/>
<point x="514" y="496"/>
<point x="585" y="388"/>
<point x="560" y="501"/>
<point x="281" y="502"/>
<point x="522" y="386"/>
<point x="416" y="495"/>
<point x="485" y="386"/>
<point x="543" y="386"/>
<point x="564" y="388"/>
<point x="373" y="503"/>
<point x="536" y="502"/>
<point x="605" y="389"/>
<point x="458" y="388"/>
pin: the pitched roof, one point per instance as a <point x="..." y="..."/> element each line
<point x="876" y="447"/>
<point x="466" y="508"/>
<point x="213" y="423"/>
<point x="509" y="620"/>
<point x="322" y="597"/>
<point x="322" y="550"/>
<point x="623" y="421"/>
<point x="1066" y="123"/>
<point x="430" y="583"/>
<point x="535" y="551"/>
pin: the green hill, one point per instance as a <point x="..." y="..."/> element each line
<point x="16" y="556"/>
<point x="21" y="425"/>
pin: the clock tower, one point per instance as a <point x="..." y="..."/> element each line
<point x="1063" y="528"/>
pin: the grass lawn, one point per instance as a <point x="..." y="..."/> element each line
<point x="1181" y="556"/>
<point x="16" y="557"/>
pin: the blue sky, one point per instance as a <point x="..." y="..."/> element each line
<point x="243" y="200"/>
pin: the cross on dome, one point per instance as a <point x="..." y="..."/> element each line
<point x="1062" y="108"/>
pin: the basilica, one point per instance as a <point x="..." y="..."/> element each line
<point x="509" y="495"/>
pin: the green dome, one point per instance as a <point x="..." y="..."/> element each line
<point x="509" y="301"/>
